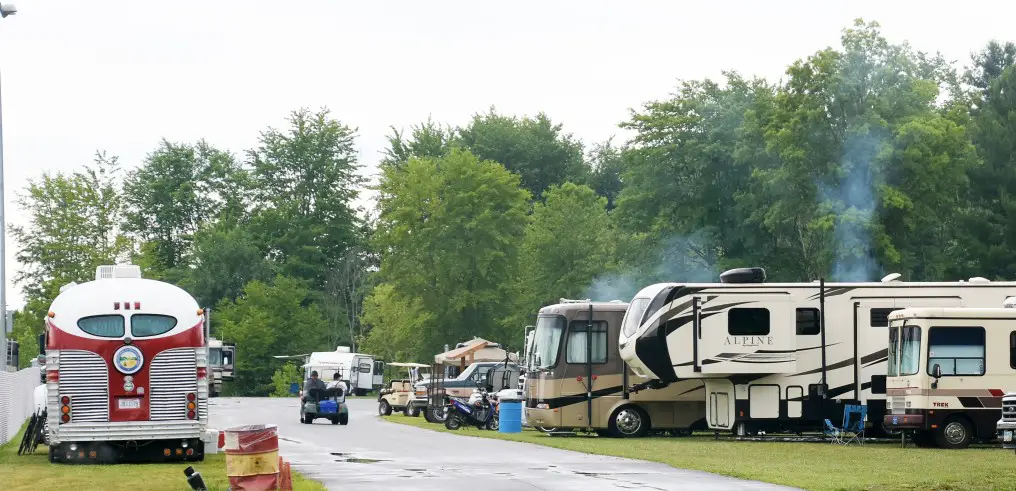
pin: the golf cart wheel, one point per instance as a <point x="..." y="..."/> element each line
<point x="335" y="420"/>
<point x="344" y="419"/>
<point x="452" y="422"/>
<point x="308" y="419"/>
<point x="414" y="412"/>
<point x="384" y="409"/>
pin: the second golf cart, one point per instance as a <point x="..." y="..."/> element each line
<point x="399" y="393"/>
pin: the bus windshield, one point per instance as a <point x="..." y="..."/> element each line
<point x="215" y="356"/>
<point x="547" y="341"/>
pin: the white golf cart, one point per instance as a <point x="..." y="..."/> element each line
<point x="399" y="392"/>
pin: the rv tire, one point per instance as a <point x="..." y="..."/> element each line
<point x="956" y="433"/>
<point x="629" y="422"/>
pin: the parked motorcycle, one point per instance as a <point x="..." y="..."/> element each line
<point x="479" y="411"/>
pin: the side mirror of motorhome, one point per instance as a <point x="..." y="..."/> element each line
<point x="936" y="371"/>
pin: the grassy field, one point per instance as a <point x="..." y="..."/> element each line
<point x="34" y="472"/>
<point x="813" y="466"/>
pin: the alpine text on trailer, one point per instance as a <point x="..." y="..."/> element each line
<point x="948" y="372"/>
<point x="126" y="368"/>
<point x="780" y="356"/>
<point x="578" y="381"/>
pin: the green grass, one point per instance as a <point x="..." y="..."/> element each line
<point x="34" y="472"/>
<point x="813" y="466"/>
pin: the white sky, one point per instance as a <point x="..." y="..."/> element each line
<point x="119" y="75"/>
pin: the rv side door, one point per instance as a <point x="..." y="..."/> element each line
<point x="753" y="333"/>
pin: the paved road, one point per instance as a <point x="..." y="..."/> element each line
<point x="372" y="454"/>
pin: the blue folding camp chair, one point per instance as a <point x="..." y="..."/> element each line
<point x="852" y="429"/>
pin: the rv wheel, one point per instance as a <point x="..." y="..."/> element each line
<point x="954" y="434"/>
<point x="629" y="421"/>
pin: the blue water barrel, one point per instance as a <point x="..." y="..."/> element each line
<point x="294" y="388"/>
<point x="510" y="417"/>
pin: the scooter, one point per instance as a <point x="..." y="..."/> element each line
<point x="480" y="411"/>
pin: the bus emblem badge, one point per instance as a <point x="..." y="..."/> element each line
<point x="128" y="360"/>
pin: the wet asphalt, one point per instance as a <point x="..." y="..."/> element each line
<point x="373" y="454"/>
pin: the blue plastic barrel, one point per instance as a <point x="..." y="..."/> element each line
<point x="510" y="417"/>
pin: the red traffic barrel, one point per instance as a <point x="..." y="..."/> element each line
<point x="252" y="457"/>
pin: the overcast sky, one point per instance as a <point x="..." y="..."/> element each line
<point x="78" y="76"/>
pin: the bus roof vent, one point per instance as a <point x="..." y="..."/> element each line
<point x="743" y="275"/>
<point x="107" y="272"/>
<point x="891" y="277"/>
<point x="67" y="286"/>
<point x="567" y="300"/>
<point x="342" y="349"/>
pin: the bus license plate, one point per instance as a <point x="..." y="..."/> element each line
<point x="132" y="403"/>
<point x="1007" y="436"/>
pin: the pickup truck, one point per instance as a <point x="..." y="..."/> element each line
<point x="461" y="387"/>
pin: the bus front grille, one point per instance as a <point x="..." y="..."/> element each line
<point x="85" y="379"/>
<point x="1009" y="410"/>
<point x="173" y="374"/>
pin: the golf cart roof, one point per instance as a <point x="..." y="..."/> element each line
<point x="410" y="365"/>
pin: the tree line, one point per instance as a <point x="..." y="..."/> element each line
<point x="864" y="159"/>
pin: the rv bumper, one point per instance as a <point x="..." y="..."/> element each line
<point x="904" y="421"/>
<point x="1006" y="433"/>
<point x="548" y="418"/>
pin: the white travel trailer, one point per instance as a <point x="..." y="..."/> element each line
<point x="361" y="371"/>
<point x="780" y="356"/>
<point x="949" y="370"/>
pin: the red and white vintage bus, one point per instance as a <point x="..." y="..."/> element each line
<point x="126" y="368"/>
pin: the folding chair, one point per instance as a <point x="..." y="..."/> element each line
<point x="854" y="417"/>
<point x="835" y="434"/>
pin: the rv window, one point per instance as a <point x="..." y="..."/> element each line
<point x="215" y="356"/>
<point x="807" y="322"/>
<point x="143" y="325"/>
<point x="578" y="343"/>
<point x="547" y="341"/>
<point x="634" y="314"/>
<point x="748" y="322"/>
<point x="105" y="326"/>
<point x="880" y="316"/>
<point x="958" y="350"/>
<point x="1012" y="350"/>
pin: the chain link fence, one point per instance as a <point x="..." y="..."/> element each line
<point x="17" y="399"/>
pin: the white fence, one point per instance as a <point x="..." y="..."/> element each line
<point x="17" y="400"/>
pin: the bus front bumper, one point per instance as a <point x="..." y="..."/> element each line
<point x="125" y="431"/>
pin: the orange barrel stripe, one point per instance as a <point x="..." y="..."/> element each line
<point x="252" y="457"/>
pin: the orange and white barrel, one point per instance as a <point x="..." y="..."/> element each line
<point x="252" y="457"/>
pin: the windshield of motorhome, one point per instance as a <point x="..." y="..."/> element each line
<point x="547" y="340"/>
<point x="910" y="352"/>
<point x="215" y="356"/>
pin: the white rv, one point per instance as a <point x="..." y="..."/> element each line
<point x="361" y="371"/>
<point x="780" y="356"/>
<point x="948" y="372"/>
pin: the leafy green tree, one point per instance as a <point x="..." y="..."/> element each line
<point x="265" y="321"/>
<point x="397" y="324"/>
<point x="448" y="233"/>
<point x="535" y="148"/>
<point x="284" y="377"/>
<point x="304" y="182"/>
<point x="223" y="260"/>
<point x="167" y="199"/>
<point x="568" y="242"/>
<point x="427" y="139"/>
<point x="607" y="165"/>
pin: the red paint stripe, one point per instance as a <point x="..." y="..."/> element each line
<point x="996" y="392"/>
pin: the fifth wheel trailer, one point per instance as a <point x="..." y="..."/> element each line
<point x="780" y="356"/>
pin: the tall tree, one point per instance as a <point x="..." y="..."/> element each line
<point x="448" y="233"/>
<point x="535" y="148"/>
<point x="174" y="192"/>
<point x="427" y="139"/>
<point x="305" y="180"/>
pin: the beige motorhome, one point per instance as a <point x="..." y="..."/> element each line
<point x="579" y="382"/>
<point x="948" y="371"/>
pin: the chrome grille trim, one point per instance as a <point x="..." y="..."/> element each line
<point x="84" y="376"/>
<point x="172" y="374"/>
<point x="1009" y="410"/>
